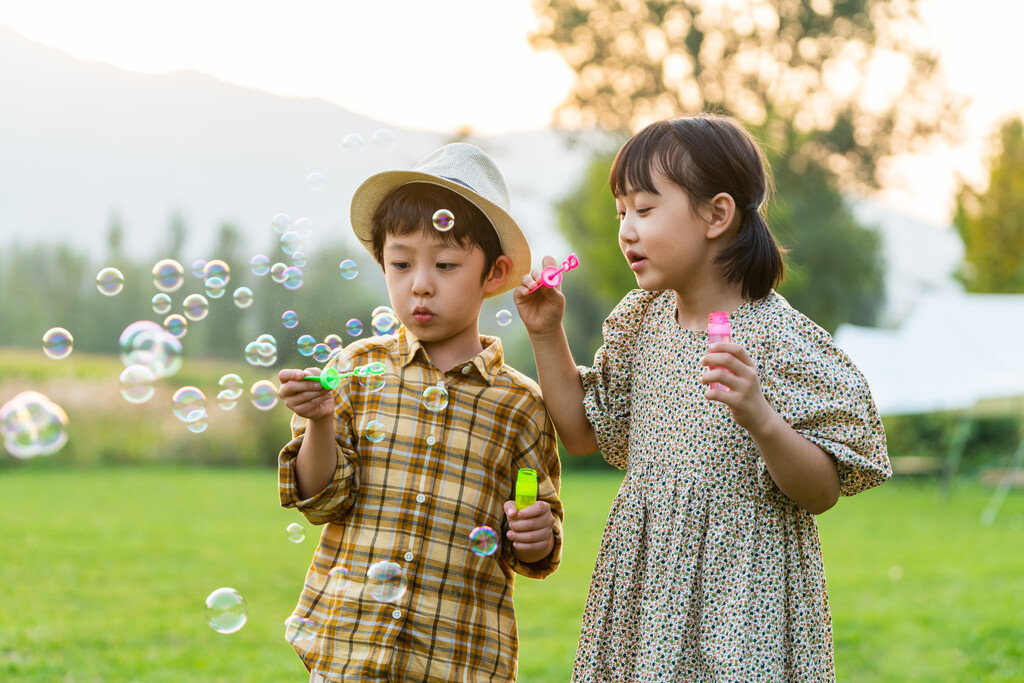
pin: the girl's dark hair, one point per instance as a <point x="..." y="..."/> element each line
<point x="705" y="155"/>
<point x="409" y="208"/>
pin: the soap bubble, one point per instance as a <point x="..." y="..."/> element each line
<point x="333" y="341"/>
<point x="198" y="266"/>
<point x="189" y="404"/>
<point x="303" y="226"/>
<point x="316" y="180"/>
<point x="483" y="541"/>
<point x="386" y="581"/>
<point x="375" y="431"/>
<point x="148" y="344"/>
<point x="259" y="264"/>
<point x="215" y="287"/>
<point x="217" y="268"/>
<point x="305" y="344"/>
<point x="226" y="611"/>
<point x="296" y="534"/>
<point x="291" y="242"/>
<point x="109" y="281"/>
<point x="385" y="322"/>
<point x="299" y="629"/>
<point x="243" y="297"/>
<point x="281" y="222"/>
<point x="176" y="325"/>
<point x="504" y="317"/>
<point x="383" y="138"/>
<point x="353" y="142"/>
<point x="338" y="578"/>
<point x="264" y="394"/>
<point x="321" y="352"/>
<point x="168" y="275"/>
<point x="348" y="269"/>
<point x="57" y="343"/>
<point x="196" y="307"/>
<point x="292" y="278"/>
<point x="371" y="381"/>
<point x="277" y="272"/>
<point x="443" y="220"/>
<point x="161" y="303"/>
<point x="299" y="259"/>
<point x="290" y="319"/>
<point x="435" y="398"/>
<point x="33" y="425"/>
<point x="137" y="384"/>
<point x="231" y="386"/>
<point x="354" y="327"/>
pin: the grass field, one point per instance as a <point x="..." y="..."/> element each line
<point x="104" y="573"/>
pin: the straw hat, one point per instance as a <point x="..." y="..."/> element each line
<point x="465" y="170"/>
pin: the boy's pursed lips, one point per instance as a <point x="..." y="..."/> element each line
<point x="422" y="314"/>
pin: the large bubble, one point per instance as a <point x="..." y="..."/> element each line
<point x="33" y="425"/>
<point x="386" y="581"/>
<point x="57" y="343"/>
<point x="148" y="344"/>
<point x="226" y="611"/>
<point x="168" y="275"/>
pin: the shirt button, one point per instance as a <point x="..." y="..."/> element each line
<point x="431" y="441"/>
<point x="397" y="614"/>
<point x="465" y="369"/>
<point x="408" y="557"/>
<point x="420" y="498"/>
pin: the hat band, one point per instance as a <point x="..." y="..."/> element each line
<point x="456" y="180"/>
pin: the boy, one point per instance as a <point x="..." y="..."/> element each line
<point x="448" y="433"/>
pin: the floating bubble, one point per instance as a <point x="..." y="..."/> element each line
<point x="385" y="322"/>
<point x="225" y="402"/>
<point x="338" y="578"/>
<point x="292" y="278"/>
<point x="243" y="297"/>
<point x="137" y="384"/>
<point x="277" y="272"/>
<point x="299" y="259"/>
<point x="435" y="398"/>
<point x="198" y="422"/>
<point x="196" y="307"/>
<point x="176" y="325"/>
<point x="305" y="345"/>
<point x="383" y="138"/>
<point x="386" y="581"/>
<point x="217" y="268"/>
<point x="443" y="220"/>
<point x="303" y="226"/>
<point x="291" y="242"/>
<point x="148" y="344"/>
<point x="354" y="327"/>
<point x="252" y="354"/>
<point x="296" y="534"/>
<point x="375" y="431"/>
<point x="299" y="629"/>
<point x="231" y="386"/>
<point x="503" y="317"/>
<point x="33" y="425"/>
<point x="267" y="338"/>
<point x="188" y="404"/>
<point x="264" y="394"/>
<point x="161" y="303"/>
<point x="226" y="611"/>
<point x="260" y="264"/>
<point x="168" y="275"/>
<point x="333" y="341"/>
<point x="371" y="381"/>
<point x="290" y="319"/>
<point x="109" y="281"/>
<point x="321" y="352"/>
<point x="281" y="222"/>
<point x="198" y="266"/>
<point x="348" y="269"/>
<point x="215" y="287"/>
<point x="353" y="142"/>
<point x="316" y="180"/>
<point x="483" y="541"/>
<point x="340" y="358"/>
<point x="57" y="343"/>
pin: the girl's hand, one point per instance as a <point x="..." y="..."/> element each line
<point x="540" y="311"/>
<point x="304" y="398"/>
<point x="734" y="368"/>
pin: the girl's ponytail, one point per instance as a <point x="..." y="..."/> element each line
<point x="754" y="258"/>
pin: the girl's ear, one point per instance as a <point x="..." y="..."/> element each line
<point x="499" y="273"/>
<point x="723" y="212"/>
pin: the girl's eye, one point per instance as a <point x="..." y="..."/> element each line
<point x="643" y="211"/>
<point x="620" y="215"/>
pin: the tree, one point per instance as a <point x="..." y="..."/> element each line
<point x="991" y="223"/>
<point x="837" y="83"/>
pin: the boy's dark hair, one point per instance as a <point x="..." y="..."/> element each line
<point x="705" y="155"/>
<point x="411" y="207"/>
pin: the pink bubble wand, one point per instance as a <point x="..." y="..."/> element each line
<point x="551" y="276"/>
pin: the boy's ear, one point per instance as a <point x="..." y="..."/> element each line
<point x="723" y="212"/>
<point x="500" y="271"/>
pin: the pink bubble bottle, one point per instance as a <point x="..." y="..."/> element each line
<point x="719" y="330"/>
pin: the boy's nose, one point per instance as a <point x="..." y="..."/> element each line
<point x="422" y="284"/>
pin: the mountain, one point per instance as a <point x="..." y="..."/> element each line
<point x="83" y="141"/>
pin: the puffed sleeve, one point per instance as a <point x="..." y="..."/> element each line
<point x="332" y="503"/>
<point x="607" y="384"/>
<point x="815" y="386"/>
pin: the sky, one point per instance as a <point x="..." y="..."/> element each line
<point x="398" y="61"/>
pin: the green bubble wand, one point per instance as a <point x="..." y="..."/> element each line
<point x="331" y="378"/>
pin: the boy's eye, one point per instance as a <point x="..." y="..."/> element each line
<point x="399" y="265"/>
<point x="445" y="266"/>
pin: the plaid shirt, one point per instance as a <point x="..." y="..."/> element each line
<point x="413" y="498"/>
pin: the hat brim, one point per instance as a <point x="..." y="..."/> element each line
<point x="374" y="189"/>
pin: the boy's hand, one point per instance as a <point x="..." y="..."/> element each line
<point x="542" y="310"/>
<point x="531" y="530"/>
<point x="305" y="398"/>
<point x="735" y="369"/>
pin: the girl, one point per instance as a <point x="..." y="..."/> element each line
<point x="710" y="567"/>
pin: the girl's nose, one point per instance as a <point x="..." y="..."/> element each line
<point x="626" y="231"/>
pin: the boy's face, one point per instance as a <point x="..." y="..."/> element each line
<point x="436" y="289"/>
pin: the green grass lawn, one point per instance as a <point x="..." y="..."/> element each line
<point x="105" y="571"/>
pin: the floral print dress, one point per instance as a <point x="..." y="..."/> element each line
<point x="707" y="571"/>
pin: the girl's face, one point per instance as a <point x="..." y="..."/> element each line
<point x="664" y="240"/>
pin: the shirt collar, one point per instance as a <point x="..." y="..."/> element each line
<point x="487" y="363"/>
